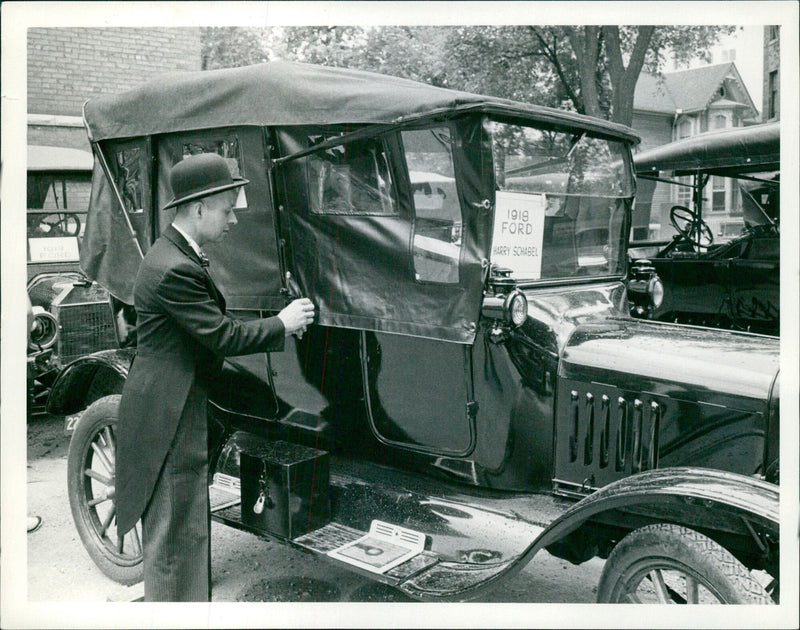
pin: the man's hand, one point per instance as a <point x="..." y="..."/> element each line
<point x="297" y="316"/>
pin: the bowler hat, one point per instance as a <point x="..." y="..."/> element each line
<point x="200" y="176"/>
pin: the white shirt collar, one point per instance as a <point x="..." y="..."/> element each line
<point x="191" y="242"/>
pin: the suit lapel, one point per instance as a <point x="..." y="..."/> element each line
<point x="182" y="244"/>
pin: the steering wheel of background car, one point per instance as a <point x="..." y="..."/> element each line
<point x="690" y="226"/>
<point x="60" y="224"/>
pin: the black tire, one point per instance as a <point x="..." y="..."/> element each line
<point x="666" y="563"/>
<point x="90" y="482"/>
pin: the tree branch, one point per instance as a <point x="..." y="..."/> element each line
<point x="552" y="55"/>
<point x="623" y="80"/>
<point x="585" y="46"/>
<point x="613" y="53"/>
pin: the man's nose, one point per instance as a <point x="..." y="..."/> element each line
<point x="232" y="218"/>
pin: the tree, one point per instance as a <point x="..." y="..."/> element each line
<point x="592" y="69"/>
<point x="644" y="47"/>
<point x="411" y="52"/>
<point x="230" y="47"/>
<point x="501" y="61"/>
<point x="589" y="69"/>
<point x="623" y="78"/>
<point x="338" y="46"/>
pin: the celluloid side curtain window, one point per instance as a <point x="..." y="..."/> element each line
<point x="437" y="213"/>
<point x="129" y="178"/>
<point x="352" y="178"/>
<point x="130" y="162"/>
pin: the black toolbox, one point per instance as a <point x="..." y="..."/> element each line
<point x="284" y="488"/>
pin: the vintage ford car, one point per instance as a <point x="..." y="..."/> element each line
<point x="71" y="314"/>
<point x="475" y="389"/>
<point x="721" y="277"/>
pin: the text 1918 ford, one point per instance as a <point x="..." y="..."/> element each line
<point x="475" y="389"/>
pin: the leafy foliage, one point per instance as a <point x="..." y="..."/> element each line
<point x="231" y="47"/>
<point x="589" y="69"/>
<point x="338" y="46"/>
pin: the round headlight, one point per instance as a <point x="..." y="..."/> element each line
<point x="517" y="308"/>
<point x="656" y="291"/>
<point x="45" y="330"/>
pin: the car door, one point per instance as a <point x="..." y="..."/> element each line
<point x="375" y="236"/>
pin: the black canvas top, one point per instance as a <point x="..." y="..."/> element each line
<point x="282" y="93"/>
<point x="742" y="150"/>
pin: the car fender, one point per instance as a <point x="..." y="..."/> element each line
<point x="702" y="498"/>
<point x="729" y="500"/>
<point x="85" y="380"/>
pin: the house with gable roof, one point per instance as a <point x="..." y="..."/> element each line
<point x="677" y="105"/>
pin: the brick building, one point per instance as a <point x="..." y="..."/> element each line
<point x="67" y="66"/>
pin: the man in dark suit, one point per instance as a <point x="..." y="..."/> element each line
<point x="183" y="333"/>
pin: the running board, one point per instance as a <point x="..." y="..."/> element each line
<point x="462" y="556"/>
<point x="423" y="576"/>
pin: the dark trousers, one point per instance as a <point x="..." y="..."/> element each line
<point x="176" y="524"/>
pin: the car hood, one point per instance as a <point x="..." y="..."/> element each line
<point x="736" y="370"/>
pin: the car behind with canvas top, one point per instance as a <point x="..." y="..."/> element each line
<point x="474" y="389"/>
<point x="71" y="315"/>
<point x="716" y="271"/>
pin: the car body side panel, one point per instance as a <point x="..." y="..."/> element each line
<point x="693" y="285"/>
<point x="735" y="286"/>
<point x="514" y="390"/>
<point x="418" y="393"/>
<point x="688" y="363"/>
<point x="607" y="433"/>
<point x="636" y="396"/>
<point x="514" y="379"/>
<point x="755" y="294"/>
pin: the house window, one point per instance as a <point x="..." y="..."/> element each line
<point x="720" y="121"/>
<point x="718" y="194"/>
<point x="773" y="94"/>
<point x="684" y="129"/>
<point x="683" y="193"/>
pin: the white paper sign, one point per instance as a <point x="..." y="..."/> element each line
<point x="57" y="248"/>
<point x="518" y="233"/>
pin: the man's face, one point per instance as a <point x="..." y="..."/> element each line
<point x="217" y="216"/>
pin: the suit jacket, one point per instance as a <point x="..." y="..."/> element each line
<point x="182" y="335"/>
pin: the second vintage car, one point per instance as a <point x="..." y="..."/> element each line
<point x="716" y="271"/>
<point x="475" y="389"/>
<point x="71" y="315"/>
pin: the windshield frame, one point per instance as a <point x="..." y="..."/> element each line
<point x="625" y="201"/>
